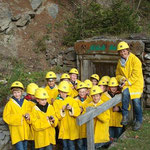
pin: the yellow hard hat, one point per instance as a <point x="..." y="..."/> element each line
<point x="31" y="88"/>
<point x="41" y="93"/>
<point x="50" y="75"/>
<point x="113" y="82"/>
<point x="106" y="78"/>
<point x="95" y="76"/>
<point x="96" y="90"/>
<point x="65" y="76"/>
<point x="73" y="71"/>
<point x="103" y="82"/>
<point x="81" y="85"/>
<point x="64" y="86"/>
<point x="88" y="83"/>
<point x="122" y="45"/>
<point x="17" y="84"/>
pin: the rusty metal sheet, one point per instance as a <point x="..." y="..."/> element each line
<point x="105" y="46"/>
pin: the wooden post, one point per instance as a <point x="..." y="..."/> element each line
<point x="90" y="132"/>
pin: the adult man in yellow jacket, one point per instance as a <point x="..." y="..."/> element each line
<point x="129" y="74"/>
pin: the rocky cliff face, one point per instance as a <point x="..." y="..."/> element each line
<point x="31" y="31"/>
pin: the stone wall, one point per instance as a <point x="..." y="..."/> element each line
<point x="146" y="72"/>
<point x="5" y="143"/>
<point x="65" y="59"/>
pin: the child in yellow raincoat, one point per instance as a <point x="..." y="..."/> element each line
<point x="74" y="81"/>
<point x="101" y="122"/>
<point x="43" y="121"/>
<point x="15" y="115"/>
<point x="51" y="87"/>
<point x="81" y="99"/>
<point x="66" y="77"/>
<point x="31" y="88"/>
<point x="115" y="128"/>
<point x="103" y="83"/>
<point x="67" y="109"/>
<point x="94" y="79"/>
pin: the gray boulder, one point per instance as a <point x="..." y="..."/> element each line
<point x="52" y="10"/>
<point x="25" y="18"/>
<point x="35" y="4"/>
<point x="5" y="17"/>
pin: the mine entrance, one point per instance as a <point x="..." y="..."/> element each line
<point x="104" y="68"/>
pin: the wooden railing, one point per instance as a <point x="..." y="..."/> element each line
<point x="91" y="114"/>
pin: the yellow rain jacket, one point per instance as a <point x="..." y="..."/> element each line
<point x="133" y="73"/>
<point x="89" y="99"/>
<point x="30" y="108"/>
<point x="44" y="130"/>
<point x="101" y="125"/>
<point x="71" y="90"/>
<point x="115" y="117"/>
<point x="18" y="126"/>
<point x="52" y="93"/>
<point x="74" y="92"/>
<point x="31" y="105"/>
<point x="82" y="128"/>
<point x="68" y="127"/>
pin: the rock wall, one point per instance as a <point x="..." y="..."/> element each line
<point x="5" y="143"/>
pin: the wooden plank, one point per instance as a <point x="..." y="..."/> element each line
<point x="98" y="110"/>
<point x="90" y="132"/>
<point x="106" y="46"/>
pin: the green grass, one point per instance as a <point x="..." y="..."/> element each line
<point x="139" y="140"/>
<point x="20" y="73"/>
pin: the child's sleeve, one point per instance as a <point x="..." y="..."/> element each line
<point x="75" y="109"/>
<point x="39" y="121"/>
<point x="104" y="117"/>
<point x="54" y="115"/>
<point x="11" y="118"/>
<point x="58" y="111"/>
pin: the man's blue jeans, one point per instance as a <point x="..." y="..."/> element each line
<point x="49" y="147"/>
<point x="68" y="145"/>
<point x="22" y="145"/>
<point x="137" y="108"/>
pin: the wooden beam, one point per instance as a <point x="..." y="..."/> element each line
<point x="90" y="132"/>
<point x="98" y="110"/>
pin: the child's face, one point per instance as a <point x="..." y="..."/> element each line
<point x="73" y="77"/>
<point x="96" y="98"/>
<point x="94" y="81"/>
<point x="66" y="80"/>
<point x="32" y="96"/>
<point x="17" y="94"/>
<point x="51" y="83"/>
<point x="63" y="94"/>
<point x="113" y="89"/>
<point x="103" y="87"/>
<point x="82" y="93"/>
<point x="42" y="101"/>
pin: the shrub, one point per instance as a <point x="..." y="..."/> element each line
<point x="95" y="20"/>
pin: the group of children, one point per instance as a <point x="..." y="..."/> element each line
<point x="44" y="111"/>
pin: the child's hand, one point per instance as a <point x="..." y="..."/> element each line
<point x="115" y="109"/>
<point x="81" y="108"/>
<point x="27" y="116"/>
<point x="68" y="107"/>
<point x="63" y="108"/>
<point x="52" y="100"/>
<point x="52" y="119"/>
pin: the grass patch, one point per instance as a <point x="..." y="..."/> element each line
<point x="136" y="140"/>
